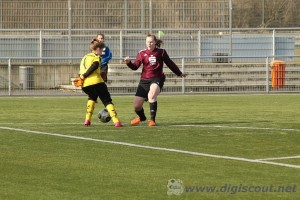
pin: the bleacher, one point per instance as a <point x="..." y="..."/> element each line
<point x="205" y="78"/>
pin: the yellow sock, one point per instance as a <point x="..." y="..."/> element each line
<point x="112" y="112"/>
<point x="89" y="109"/>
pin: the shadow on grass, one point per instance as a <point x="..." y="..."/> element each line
<point x="210" y="123"/>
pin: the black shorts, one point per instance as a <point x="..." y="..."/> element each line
<point x="98" y="90"/>
<point x="104" y="68"/>
<point x="144" y="86"/>
<point x="103" y="72"/>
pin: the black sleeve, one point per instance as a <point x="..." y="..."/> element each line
<point x="172" y="66"/>
<point x="92" y="68"/>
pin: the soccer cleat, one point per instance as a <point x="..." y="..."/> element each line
<point x="118" y="124"/>
<point x="152" y="123"/>
<point x="135" y="121"/>
<point x="87" y="123"/>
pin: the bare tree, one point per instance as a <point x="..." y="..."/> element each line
<point x="266" y="13"/>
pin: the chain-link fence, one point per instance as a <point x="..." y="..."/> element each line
<point x="113" y="14"/>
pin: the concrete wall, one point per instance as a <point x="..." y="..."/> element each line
<point x="210" y="77"/>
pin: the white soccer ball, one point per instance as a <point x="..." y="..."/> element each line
<point x="104" y="116"/>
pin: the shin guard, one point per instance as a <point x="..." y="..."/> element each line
<point x="112" y="112"/>
<point x="89" y="109"/>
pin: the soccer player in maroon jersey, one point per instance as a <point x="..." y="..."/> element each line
<point x="152" y="78"/>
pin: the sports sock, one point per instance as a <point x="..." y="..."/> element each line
<point x="112" y="112"/>
<point x="89" y="109"/>
<point x="153" y="109"/>
<point x="141" y="114"/>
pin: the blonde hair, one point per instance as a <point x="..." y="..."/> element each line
<point x="101" y="35"/>
<point x="95" y="44"/>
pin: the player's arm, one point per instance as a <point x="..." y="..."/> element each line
<point x="107" y="56"/>
<point x="91" y="69"/>
<point x="136" y="64"/>
<point x="172" y="66"/>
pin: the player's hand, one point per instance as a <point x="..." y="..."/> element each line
<point x="78" y="82"/>
<point x="183" y="75"/>
<point x="127" y="60"/>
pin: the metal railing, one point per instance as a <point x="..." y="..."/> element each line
<point x="178" y="42"/>
<point x="55" y="79"/>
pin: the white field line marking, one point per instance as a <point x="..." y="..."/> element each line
<point x="279" y="158"/>
<point x="241" y="127"/>
<point x="183" y="125"/>
<point x="155" y="148"/>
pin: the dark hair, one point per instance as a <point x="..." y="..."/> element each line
<point x="158" y="42"/>
<point x="94" y="40"/>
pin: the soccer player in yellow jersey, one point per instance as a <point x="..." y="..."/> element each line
<point x="94" y="85"/>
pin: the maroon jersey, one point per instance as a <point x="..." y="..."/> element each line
<point x="153" y="62"/>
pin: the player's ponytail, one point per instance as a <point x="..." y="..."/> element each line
<point x="158" y="43"/>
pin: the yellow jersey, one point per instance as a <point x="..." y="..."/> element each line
<point x="85" y="64"/>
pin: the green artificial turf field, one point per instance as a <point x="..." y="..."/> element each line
<point x="204" y="147"/>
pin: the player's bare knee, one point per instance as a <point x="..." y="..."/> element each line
<point x="151" y="100"/>
<point x="152" y="97"/>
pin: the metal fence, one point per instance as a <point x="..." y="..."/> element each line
<point x="55" y="78"/>
<point x="41" y="43"/>
<point x="238" y="43"/>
